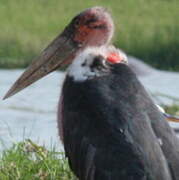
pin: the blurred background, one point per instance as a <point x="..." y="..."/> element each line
<point x="147" y="30"/>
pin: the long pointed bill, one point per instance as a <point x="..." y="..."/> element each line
<point x="92" y="27"/>
<point x="60" y="52"/>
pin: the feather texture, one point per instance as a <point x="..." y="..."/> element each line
<point x="111" y="129"/>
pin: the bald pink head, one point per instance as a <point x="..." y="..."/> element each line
<point x="92" y="27"/>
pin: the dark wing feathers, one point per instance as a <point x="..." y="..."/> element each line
<point x="170" y="142"/>
<point x="162" y="130"/>
<point x="111" y="130"/>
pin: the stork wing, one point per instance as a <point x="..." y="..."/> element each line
<point x="165" y="134"/>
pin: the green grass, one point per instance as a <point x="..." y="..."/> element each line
<point x="146" y="29"/>
<point x="27" y="160"/>
<point x="174" y="109"/>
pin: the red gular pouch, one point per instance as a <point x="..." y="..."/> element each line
<point x="115" y="57"/>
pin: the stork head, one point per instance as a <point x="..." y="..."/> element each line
<point x="92" y="27"/>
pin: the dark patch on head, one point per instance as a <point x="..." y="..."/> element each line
<point x="99" y="64"/>
<point x="101" y="26"/>
<point x="84" y="63"/>
<point x="92" y="20"/>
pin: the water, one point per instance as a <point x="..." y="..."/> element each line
<point x="32" y="112"/>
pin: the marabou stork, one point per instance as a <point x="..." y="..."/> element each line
<point x="110" y="127"/>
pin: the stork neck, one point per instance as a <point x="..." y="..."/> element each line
<point x="89" y="64"/>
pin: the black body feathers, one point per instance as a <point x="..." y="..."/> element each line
<point x="113" y="131"/>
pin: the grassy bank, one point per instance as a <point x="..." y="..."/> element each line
<point x="27" y="160"/>
<point x="146" y="29"/>
<point x="172" y="109"/>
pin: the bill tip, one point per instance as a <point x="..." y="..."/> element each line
<point x="6" y="96"/>
<point x="10" y="93"/>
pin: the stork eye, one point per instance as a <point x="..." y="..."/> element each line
<point x="77" y="22"/>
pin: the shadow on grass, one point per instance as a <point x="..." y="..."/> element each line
<point x="14" y="55"/>
<point x="159" y="54"/>
<point x="159" y="49"/>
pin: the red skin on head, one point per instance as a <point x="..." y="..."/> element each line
<point x="93" y="27"/>
<point x="114" y="58"/>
